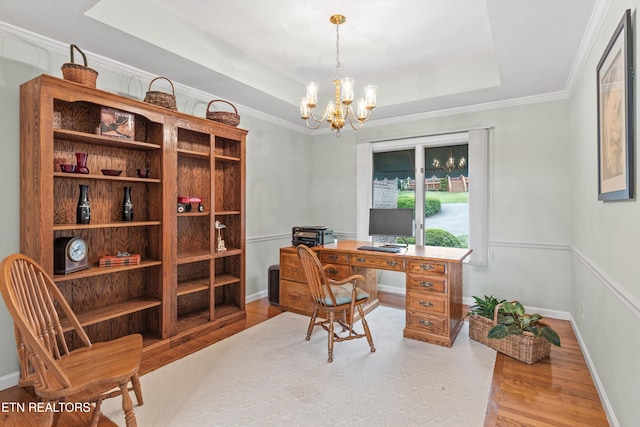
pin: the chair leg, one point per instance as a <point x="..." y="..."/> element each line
<point x="312" y="323"/>
<point x="127" y="406"/>
<point x="135" y="382"/>
<point x="55" y="415"/>
<point x="330" y="344"/>
<point x="366" y="328"/>
<point x="95" y="416"/>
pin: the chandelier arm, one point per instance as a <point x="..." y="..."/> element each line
<point x="313" y="127"/>
<point x="321" y="119"/>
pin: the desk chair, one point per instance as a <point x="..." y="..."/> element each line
<point x="85" y="375"/>
<point x="333" y="297"/>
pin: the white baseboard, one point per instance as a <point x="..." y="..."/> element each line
<point x="9" y="380"/>
<point x="608" y="409"/>
<point x="256" y="296"/>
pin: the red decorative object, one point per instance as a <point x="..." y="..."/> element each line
<point x="116" y="261"/>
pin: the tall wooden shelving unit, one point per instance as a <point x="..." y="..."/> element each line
<point x="183" y="286"/>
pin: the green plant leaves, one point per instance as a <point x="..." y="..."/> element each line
<point x="513" y="320"/>
<point x="551" y="336"/>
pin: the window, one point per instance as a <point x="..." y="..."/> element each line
<point x="458" y="161"/>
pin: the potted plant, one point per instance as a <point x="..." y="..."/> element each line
<point x="484" y="306"/>
<point x="512" y="320"/>
<point x="511" y="331"/>
<point x="481" y="318"/>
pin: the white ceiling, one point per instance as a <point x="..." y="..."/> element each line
<point x="424" y="55"/>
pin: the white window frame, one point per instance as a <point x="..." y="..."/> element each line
<point x="478" y="142"/>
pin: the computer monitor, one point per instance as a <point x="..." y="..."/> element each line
<point x="391" y="222"/>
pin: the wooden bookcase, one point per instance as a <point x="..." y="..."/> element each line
<point x="183" y="286"/>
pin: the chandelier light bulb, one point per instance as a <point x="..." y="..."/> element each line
<point x="312" y="94"/>
<point x="347" y="90"/>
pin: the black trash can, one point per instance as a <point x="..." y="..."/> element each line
<point x="274" y="284"/>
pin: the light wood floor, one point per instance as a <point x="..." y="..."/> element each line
<point x="557" y="391"/>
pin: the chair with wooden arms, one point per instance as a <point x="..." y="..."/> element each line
<point x="333" y="296"/>
<point x="86" y="375"/>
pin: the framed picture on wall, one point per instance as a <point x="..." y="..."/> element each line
<point x="615" y="115"/>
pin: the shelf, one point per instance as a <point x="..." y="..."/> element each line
<point x="227" y="213"/>
<point x="225" y="279"/>
<point x="194" y="213"/>
<point x="190" y="323"/>
<point x="194" y="256"/>
<point x="107" y="141"/>
<point x="112" y="311"/>
<point x="228" y="252"/>
<point x="73" y="175"/>
<point x="97" y="271"/>
<point x="227" y="158"/>
<point x="191" y="286"/>
<point x="194" y="154"/>
<point x="60" y="227"/>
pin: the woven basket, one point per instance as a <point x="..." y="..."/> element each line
<point x="526" y="347"/>
<point x="79" y="73"/>
<point x="227" y="118"/>
<point x="162" y="99"/>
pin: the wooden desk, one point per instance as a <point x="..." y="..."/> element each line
<point x="433" y="283"/>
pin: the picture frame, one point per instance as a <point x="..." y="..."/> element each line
<point x="116" y="123"/>
<point x="615" y="115"/>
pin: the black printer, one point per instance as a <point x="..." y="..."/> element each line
<point x="311" y="235"/>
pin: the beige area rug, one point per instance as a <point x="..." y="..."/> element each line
<point x="269" y="375"/>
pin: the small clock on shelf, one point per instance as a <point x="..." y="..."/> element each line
<point x="70" y="254"/>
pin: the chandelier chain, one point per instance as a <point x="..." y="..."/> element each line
<point x="338" y="64"/>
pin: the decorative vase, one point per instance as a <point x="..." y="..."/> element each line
<point x="127" y="205"/>
<point x="83" y="211"/>
<point x="81" y="160"/>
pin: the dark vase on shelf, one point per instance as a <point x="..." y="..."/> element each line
<point x="127" y="205"/>
<point x="83" y="211"/>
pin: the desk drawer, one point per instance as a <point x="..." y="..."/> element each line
<point x="333" y="257"/>
<point x="338" y="271"/>
<point x="290" y="268"/>
<point x="427" y="267"/>
<point x="427" y="283"/>
<point x="425" y="323"/>
<point x="377" y="261"/>
<point x="295" y="296"/>
<point x="425" y="302"/>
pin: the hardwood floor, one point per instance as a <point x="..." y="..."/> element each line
<point x="557" y="391"/>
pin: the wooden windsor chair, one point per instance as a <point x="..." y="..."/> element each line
<point x="333" y="296"/>
<point x="88" y="374"/>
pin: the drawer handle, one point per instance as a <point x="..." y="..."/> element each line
<point x="425" y="322"/>
<point x="333" y="257"/>
<point x="426" y="267"/>
<point x="392" y="263"/>
<point x="332" y="271"/>
<point x="426" y="303"/>
<point x="361" y="259"/>
<point x="426" y="284"/>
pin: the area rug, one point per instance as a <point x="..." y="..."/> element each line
<point x="269" y="375"/>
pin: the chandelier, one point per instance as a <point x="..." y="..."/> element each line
<point x="338" y="112"/>
<point x="451" y="163"/>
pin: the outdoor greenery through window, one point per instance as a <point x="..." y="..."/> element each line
<point x="443" y="198"/>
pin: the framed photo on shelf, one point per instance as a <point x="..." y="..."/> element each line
<point x="116" y="123"/>
<point x="615" y="115"/>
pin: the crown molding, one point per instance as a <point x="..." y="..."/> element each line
<point x="594" y="26"/>
<point x="99" y="61"/>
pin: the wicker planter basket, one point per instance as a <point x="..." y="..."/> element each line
<point x="231" y="119"/>
<point x="526" y="347"/>
<point x="79" y="73"/>
<point x="162" y="99"/>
